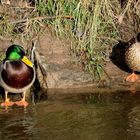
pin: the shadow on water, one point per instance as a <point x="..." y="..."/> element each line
<point x="105" y="115"/>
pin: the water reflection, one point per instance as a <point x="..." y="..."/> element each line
<point x="100" y="116"/>
<point x="93" y="116"/>
<point x="134" y="119"/>
<point x="16" y="123"/>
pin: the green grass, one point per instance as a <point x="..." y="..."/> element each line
<point x="91" y="26"/>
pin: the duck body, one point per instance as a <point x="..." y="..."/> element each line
<point x="132" y="59"/>
<point x="17" y="74"/>
<point x="16" y="77"/>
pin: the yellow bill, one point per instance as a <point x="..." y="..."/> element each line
<point x="27" y="61"/>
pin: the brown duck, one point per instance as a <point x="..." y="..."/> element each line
<point x="17" y="74"/>
<point x="132" y="59"/>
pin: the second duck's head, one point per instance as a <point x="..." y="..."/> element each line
<point x="16" y="52"/>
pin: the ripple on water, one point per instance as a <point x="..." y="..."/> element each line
<point x="100" y="116"/>
<point x="16" y="123"/>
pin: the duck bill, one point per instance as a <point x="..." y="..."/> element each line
<point x="27" y="61"/>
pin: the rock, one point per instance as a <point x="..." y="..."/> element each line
<point x="59" y="77"/>
<point x="61" y="71"/>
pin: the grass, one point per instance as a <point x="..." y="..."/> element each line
<point x="93" y="25"/>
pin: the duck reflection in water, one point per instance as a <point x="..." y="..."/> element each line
<point x="16" y="124"/>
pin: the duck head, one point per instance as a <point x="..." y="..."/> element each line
<point x="16" y="52"/>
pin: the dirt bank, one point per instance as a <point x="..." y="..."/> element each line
<point x="63" y="70"/>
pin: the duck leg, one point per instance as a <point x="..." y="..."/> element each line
<point x="22" y="102"/>
<point x="7" y="101"/>
<point x="132" y="78"/>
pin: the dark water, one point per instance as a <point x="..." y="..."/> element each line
<point x="93" y="116"/>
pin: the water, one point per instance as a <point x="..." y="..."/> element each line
<point x="89" y="116"/>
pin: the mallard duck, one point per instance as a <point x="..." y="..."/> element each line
<point x="132" y="59"/>
<point x="17" y="74"/>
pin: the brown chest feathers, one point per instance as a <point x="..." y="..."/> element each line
<point x="17" y="75"/>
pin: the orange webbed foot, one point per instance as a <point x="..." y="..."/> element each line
<point x="7" y="103"/>
<point x="132" y="78"/>
<point x="21" y="103"/>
